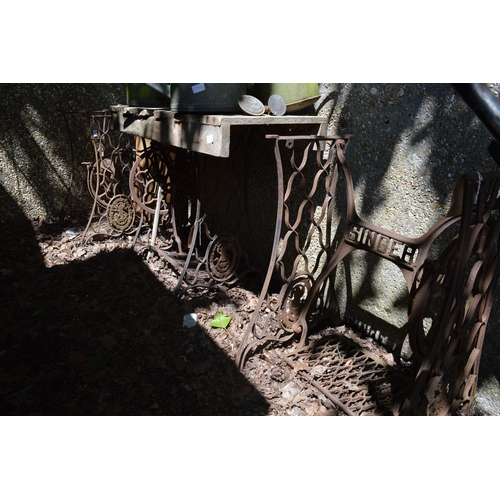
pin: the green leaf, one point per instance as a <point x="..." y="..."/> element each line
<point x="221" y="320"/>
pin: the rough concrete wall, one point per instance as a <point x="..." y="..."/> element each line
<point x="411" y="144"/>
<point x="43" y="139"/>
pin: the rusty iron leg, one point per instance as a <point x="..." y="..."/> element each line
<point x="306" y="188"/>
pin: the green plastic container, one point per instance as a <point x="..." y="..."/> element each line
<point x="296" y="95"/>
<point x="148" y="95"/>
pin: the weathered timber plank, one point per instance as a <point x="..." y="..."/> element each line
<point x="209" y="134"/>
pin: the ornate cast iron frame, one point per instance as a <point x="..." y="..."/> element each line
<point x="113" y="213"/>
<point x="454" y="292"/>
<point x="132" y="184"/>
<point x="204" y="259"/>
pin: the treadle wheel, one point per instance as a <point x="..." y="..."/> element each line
<point x="120" y="213"/>
<point x="452" y="379"/>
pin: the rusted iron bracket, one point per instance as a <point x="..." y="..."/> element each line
<point x="450" y="297"/>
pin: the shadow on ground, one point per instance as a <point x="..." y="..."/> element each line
<point x="104" y="337"/>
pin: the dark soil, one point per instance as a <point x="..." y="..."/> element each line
<point x="97" y="330"/>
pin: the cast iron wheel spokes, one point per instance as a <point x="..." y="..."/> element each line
<point x="456" y="293"/>
<point x="427" y="299"/>
<point x="456" y="365"/>
<point x="121" y="213"/>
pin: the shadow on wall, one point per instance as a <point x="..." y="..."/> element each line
<point x="408" y="139"/>
<point x="104" y="337"/>
<point x="411" y="144"/>
<point x="44" y="138"/>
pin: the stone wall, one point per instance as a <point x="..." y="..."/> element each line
<point x="44" y="137"/>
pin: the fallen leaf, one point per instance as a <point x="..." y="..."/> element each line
<point x="221" y="320"/>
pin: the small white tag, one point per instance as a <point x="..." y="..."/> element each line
<point x="200" y="87"/>
<point x="210" y="139"/>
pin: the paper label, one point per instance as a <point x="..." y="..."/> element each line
<point x="199" y="87"/>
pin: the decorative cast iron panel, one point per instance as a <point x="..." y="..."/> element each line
<point x="450" y="297"/>
<point x="112" y="212"/>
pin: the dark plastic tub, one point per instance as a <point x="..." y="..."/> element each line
<point x="206" y="97"/>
